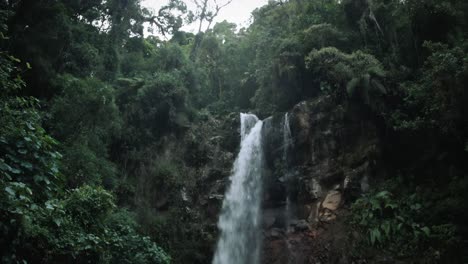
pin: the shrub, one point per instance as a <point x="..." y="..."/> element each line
<point x="399" y="226"/>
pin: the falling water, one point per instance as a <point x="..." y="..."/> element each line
<point x="287" y="138"/>
<point x="289" y="212"/>
<point x="239" y="221"/>
<point x="287" y="143"/>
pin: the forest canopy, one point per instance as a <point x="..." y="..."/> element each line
<point x="105" y="129"/>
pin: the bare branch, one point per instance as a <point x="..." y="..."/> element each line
<point x="154" y="20"/>
<point x="222" y="6"/>
<point x="215" y="14"/>
<point x="196" y="3"/>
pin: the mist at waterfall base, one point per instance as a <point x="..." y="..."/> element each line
<point x="240" y="216"/>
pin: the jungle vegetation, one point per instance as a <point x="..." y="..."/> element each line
<point x="88" y="103"/>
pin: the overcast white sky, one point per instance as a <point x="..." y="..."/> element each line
<point x="237" y="12"/>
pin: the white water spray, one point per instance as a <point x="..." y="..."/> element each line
<point x="240" y="217"/>
<point x="287" y="144"/>
<point x="289" y="214"/>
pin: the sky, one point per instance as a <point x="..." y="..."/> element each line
<point x="239" y="11"/>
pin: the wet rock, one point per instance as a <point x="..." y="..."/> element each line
<point x="336" y="148"/>
<point x="274" y="217"/>
<point x="275" y="233"/>
<point x="315" y="190"/>
<point x="300" y="225"/>
<point x="335" y="155"/>
<point x="218" y="197"/>
<point x="332" y="201"/>
<point x="268" y="221"/>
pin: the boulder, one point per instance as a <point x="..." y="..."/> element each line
<point x="332" y="201"/>
<point x="301" y="225"/>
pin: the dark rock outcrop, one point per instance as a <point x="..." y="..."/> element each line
<point x="336" y="147"/>
<point x="336" y="152"/>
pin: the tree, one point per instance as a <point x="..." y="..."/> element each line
<point x="206" y="11"/>
<point x="359" y="75"/>
<point x="40" y="220"/>
<point x="169" y="18"/>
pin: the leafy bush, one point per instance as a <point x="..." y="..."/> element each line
<point x="28" y="160"/>
<point x="435" y="99"/>
<point x="85" y="117"/>
<point x="399" y="226"/>
<point x="84" y="106"/>
<point x="153" y="107"/>
<point x="27" y="153"/>
<point x="40" y="221"/>
<point x="84" y="166"/>
<point x="85" y="227"/>
<point x="323" y="35"/>
<point x="359" y="74"/>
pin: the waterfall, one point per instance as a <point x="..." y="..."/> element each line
<point x="239" y="221"/>
<point x="287" y="143"/>
<point x="287" y="138"/>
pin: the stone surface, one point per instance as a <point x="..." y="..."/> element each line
<point x="333" y="143"/>
<point x="336" y="153"/>
<point x="332" y="201"/>
<point x="301" y="225"/>
<point x="275" y="233"/>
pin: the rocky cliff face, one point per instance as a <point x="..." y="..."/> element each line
<point x="335" y="153"/>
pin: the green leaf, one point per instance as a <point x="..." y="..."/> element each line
<point x="27" y="165"/>
<point x="10" y="190"/>
<point x="372" y="236"/>
<point x="399" y="226"/>
<point x="57" y="221"/>
<point x="378" y="235"/>
<point x="375" y="204"/>
<point x="14" y="59"/>
<point x="49" y="205"/>
<point x="30" y="126"/>
<point x="4" y="166"/>
<point x="22" y="151"/>
<point x="426" y="231"/>
<point x="14" y="170"/>
<point x="386" y="228"/>
<point x="382" y="194"/>
<point x="3" y="36"/>
<point x="28" y="65"/>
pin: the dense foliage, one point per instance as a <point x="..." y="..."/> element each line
<point x="105" y="132"/>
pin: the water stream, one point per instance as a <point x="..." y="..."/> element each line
<point x="287" y="144"/>
<point x="289" y="212"/>
<point x="239" y="221"/>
